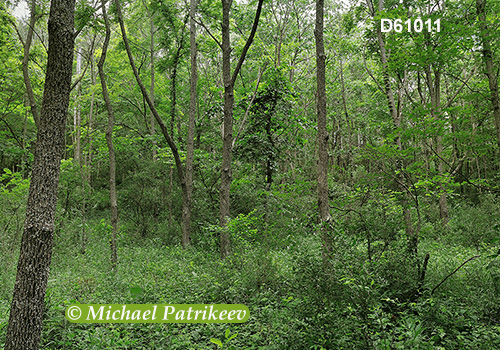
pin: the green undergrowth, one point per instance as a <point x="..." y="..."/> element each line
<point x="297" y="299"/>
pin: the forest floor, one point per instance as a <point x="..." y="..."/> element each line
<point x="295" y="302"/>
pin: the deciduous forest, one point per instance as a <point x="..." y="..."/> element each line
<point x="332" y="165"/>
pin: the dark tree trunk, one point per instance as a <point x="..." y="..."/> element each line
<point x="109" y="142"/>
<point x="186" y="205"/>
<point x="26" y="314"/>
<point x="227" y="137"/>
<point x="323" y="203"/>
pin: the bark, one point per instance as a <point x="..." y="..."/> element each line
<point x="152" y="87"/>
<point x="173" y="97"/>
<point x="173" y="92"/>
<point x="77" y="112"/>
<point x="227" y="138"/>
<point x="226" y="176"/>
<point x="488" y="62"/>
<point x="323" y="202"/>
<point x="91" y="119"/>
<point x="26" y="313"/>
<point x="186" y="205"/>
<point x="347" y="122"/>
<point x="109" y="141"/>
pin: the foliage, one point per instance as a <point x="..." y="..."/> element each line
<point x="368" y="292"/>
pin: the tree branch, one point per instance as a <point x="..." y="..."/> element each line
<point x="209" y="32"/>
<point x="248" y="43"/>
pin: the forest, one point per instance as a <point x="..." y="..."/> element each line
<point x="332" y="165"/>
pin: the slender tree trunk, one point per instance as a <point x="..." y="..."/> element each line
<point x="27" y="46"/>
<point x="88" y="159"/>
<point x="77" y="112"/>
<point x="170" y="195"/>
<point x="109" y="142"/>
<point x="186" y="205"/>
<point x="145" y="95"/>
<point x="26" y="313"/>
<point x="173" y="94"/>
<point x="152" y="87"/>
<point x="323" y="202"/>
<point x="25" y="131"/>
<point x="227" y="135"/>
<point x="396" y="121"/>
<point x="488" y="62"/>
<point x="347" y="121"/>
<point x="435" y="94"/>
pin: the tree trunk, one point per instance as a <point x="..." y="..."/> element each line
<point x="88" y="161"/>
<point x="26" y="46"/>
<point x="109" y="142"/>
<point x="396" y="121"/>
<point x="77" y="112"/>
<point x="152" y="87"/>
<point x="26" y="313"/>
<point x="488" y="61"/>
<point x="227" y="136"/>
<point x="323" y="202"/>
<point x="186" y="204"/>
<point x="145" y="95"/>
<point x="435" y="94"/>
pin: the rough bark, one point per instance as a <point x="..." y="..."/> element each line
<point x="109" y="141"/>
<point x="226" y="176"/>
<point x="488" y="62"/>
<point x="323" y="202"/>
<point x="77" y="112"/>
<point x="227" y="138"/>
<point x="26" y="314"/>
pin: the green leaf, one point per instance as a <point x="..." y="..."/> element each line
<point x="216" y="341"/>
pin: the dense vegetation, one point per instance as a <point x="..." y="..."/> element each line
<point x="411" y="259"/>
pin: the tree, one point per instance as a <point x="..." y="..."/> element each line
<point x="395" y="113"/>
<point x="26" y="313"/>
<point x="485" y="36"/>
<point x="193" y="94"/>
<point x="323" y="202"/>
<point x="227" y="137"/>
<point x="178" y="163"/>
<point x="34" y="17"/>
<point x="109" y="140"/>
